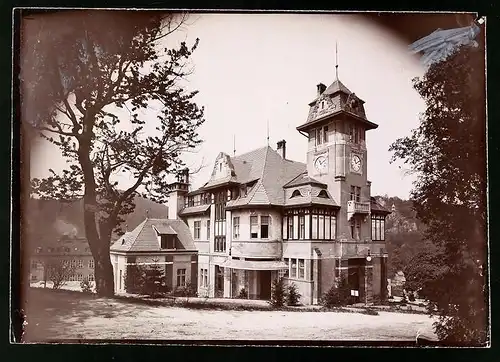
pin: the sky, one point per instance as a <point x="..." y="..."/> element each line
<point x="255" y="70"/>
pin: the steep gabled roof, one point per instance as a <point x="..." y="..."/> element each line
<point x="144" y="237"/>
<point x="270" y="170"/>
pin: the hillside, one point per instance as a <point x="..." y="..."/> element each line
<point x="49" y="219"/>
<point x="404" y="232"/>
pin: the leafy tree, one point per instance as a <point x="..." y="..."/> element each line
<point x="134" y="279"/>
<point x="80" y="79"/>
<point x="448" y="154"/>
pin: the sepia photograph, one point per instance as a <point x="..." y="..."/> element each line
<point x="237" y="178"/>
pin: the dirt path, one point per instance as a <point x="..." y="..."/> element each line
<point x="61" y="315"/>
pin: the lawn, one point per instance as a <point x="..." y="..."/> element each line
<point x="53" y="315"/>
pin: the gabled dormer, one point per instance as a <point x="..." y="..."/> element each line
<point x="167" y="237"/>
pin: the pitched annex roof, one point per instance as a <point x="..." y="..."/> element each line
<point x="144" y="237"/>
<point x="193" y="210"/>
<point x="377" y="208"/>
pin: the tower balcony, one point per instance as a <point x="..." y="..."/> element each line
<point x="356" y="207"/>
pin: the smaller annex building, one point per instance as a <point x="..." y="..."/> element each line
<point x="162" y="242"/>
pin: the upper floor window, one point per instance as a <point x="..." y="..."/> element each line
<point x="321" y="135"/>
<point x="356" y="133"/>
<point x="167" y="241"/>
<point x="296" y="193"/>
<point x="236" y="227"/>
<point x="355" y="193"/>
<point x="254" y="227"/>
<point x="378" y="227"/>
<point x="91" y="263"/>
<point x="197" y="228"/>
<point x="264" y="227"/>
<point x="323" y="194"/>
<point x="208" y="229"/>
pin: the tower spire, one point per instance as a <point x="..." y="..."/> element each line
<point x="336" y="62"/>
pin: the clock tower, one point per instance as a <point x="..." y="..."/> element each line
<point x="337" y="156"/>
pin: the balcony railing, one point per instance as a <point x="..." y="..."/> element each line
<point x="356" y="207"/>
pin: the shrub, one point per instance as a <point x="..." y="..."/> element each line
<point x="369" y="311"/>
<point x="292" y="296"/>
<point x="403" y="298"/>
<point x="187" y="290"/>
<point x="338" y="295"/>
<point x="278" y="295"/>
<point x="87" y="286"/>
<point x="243" y="294"/>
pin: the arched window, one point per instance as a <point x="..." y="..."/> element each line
<point x="296" y="193"/>
<point x="323" y="194"/>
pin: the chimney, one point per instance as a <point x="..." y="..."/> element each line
<point x="282" y="148"/>
<point x="321" y="88"/>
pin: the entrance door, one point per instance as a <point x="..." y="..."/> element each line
<point x="219" y="282"/>
<point x="265" y="284"/>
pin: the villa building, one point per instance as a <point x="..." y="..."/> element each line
<point x="261" y="215"/>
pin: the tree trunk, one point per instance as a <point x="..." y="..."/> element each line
<point x="104" y="276"/>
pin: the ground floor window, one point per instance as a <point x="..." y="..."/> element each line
<point x="296" y="268"/>
<point x="91" y="277"/>
<point x="181" y="277"/>
<point x="204" y="278"/>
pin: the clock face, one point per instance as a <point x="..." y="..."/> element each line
<point x="356" y="163"/>
<point x="321" y="163"/>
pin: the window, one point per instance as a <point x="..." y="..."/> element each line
<point x="38" y="250"/>
<point x="355" y="228"/>
<point x="91" y="277"/>
<point x="296" y="193"/>
<point x="323" y="194"/>
<point x="293" y="268"/>
<point x="167" y="241"/>
<point x="79" y="277"/>
<point x="34" y="264"/>
<point x="355" y="194"/>
<point x="285" y="272"/>
<point x="302" y="226"/>
<point x="254" y="227"/>
<point x="208" y="229"/>
<point x="264" y="227"/>
<point x="73" y="263"/>
<point x="290" y="227"/>
<point x="181" y="277"/>
<point x="220" y="167"/>
<point x="220" y="199"/>
<point x="297" y="268"/>
<point x="120" y="280"/>
<point x="204" y="278"/>
<point x="197" y="227"/>
<point x="236" y="227"/>
<point x="314" y="226"/>
<point x="378" y="227"/>
<point x="321" y="135"/>
<point x="302" y="269"/>
<point x="79" y="263"/>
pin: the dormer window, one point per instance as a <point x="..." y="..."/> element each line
<point x="296" y="193"/>
<point x="321" y="135"/>
<point x="167" y="241"/>
<point x="323" y="194"/>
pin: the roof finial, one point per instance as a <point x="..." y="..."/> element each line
<point x="234" y="145"/>
<point x="268" y="131"/>
<point x="336" y="62"/>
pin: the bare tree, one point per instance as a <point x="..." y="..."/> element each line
<point x="58" y="272"/>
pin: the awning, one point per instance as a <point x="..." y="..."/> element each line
<point x="253" y="265"/>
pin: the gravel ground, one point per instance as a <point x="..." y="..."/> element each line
<point x="53" y="315"/>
